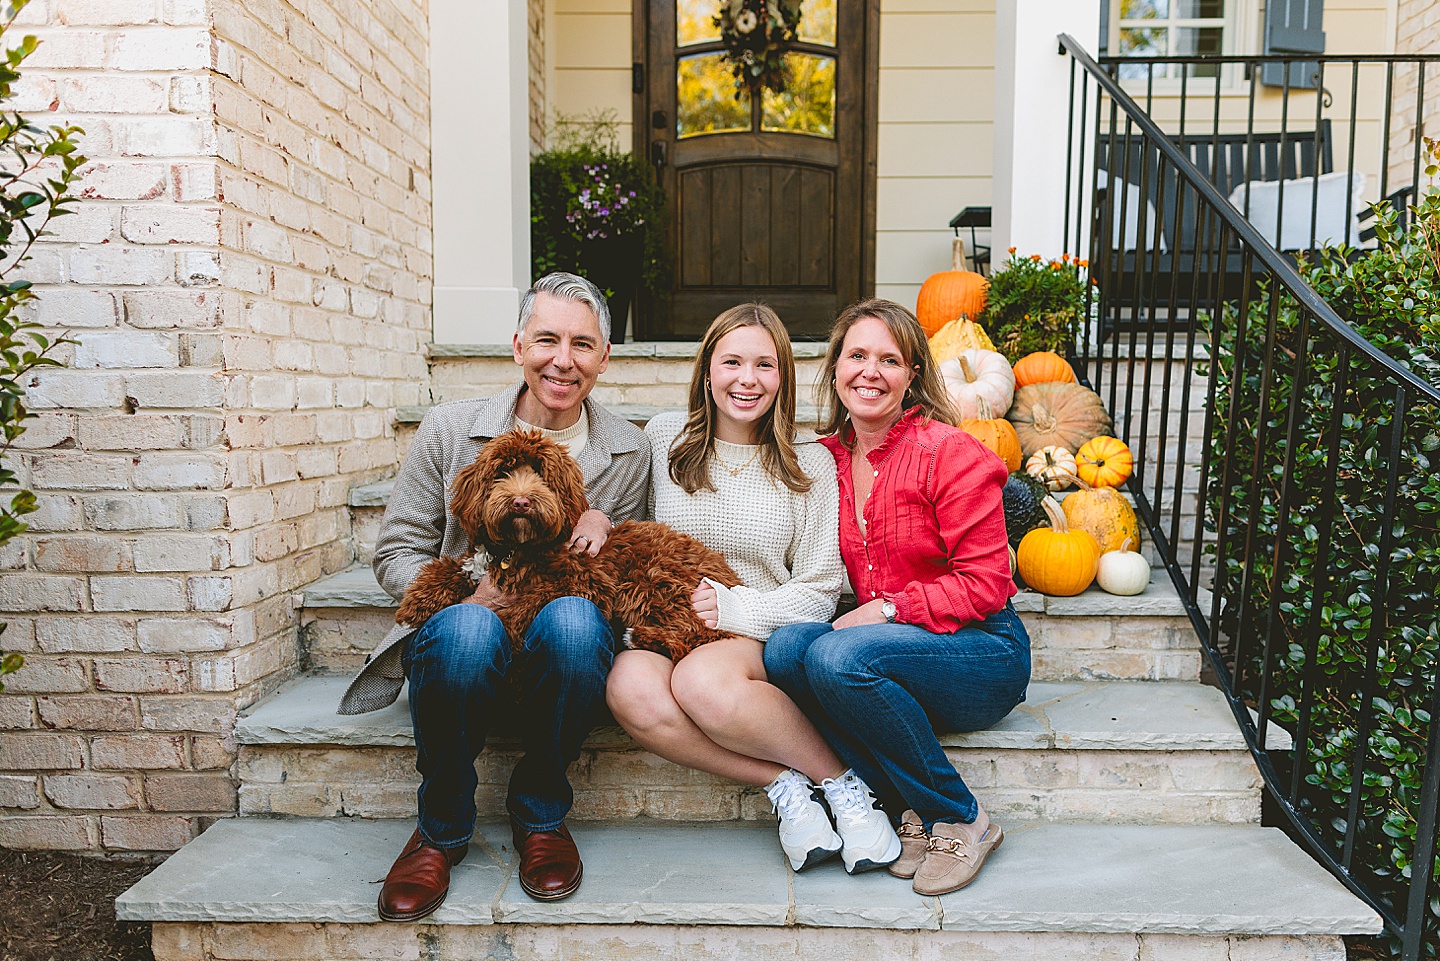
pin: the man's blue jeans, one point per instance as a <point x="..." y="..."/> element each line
<point x="457" y="664"/>
<point x="879" y="692"/>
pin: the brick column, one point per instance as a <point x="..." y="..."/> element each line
<point x="249" y="277"/>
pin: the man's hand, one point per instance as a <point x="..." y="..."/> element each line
<point x="867" y="613"/>
<point x="706" y="604"/>
<point x="487" y="595"/>
<point x="590" y="533"/>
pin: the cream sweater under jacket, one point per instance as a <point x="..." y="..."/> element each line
<point x="785" y="546"/>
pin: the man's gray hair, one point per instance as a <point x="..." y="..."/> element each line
<point x="568" y="287"/>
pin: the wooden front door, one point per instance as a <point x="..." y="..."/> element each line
<point x="772" y="195"/>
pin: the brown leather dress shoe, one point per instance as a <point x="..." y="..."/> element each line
<point x="418" y="880"/>
<point x="550" y="867"/>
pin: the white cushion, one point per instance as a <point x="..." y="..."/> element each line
<point x="1131" y="203"/>
<point x="1329" y="197"/>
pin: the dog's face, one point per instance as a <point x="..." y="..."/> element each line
<point x="522" y="489"/>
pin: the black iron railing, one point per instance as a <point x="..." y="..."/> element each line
<point x="1283" y="462"/>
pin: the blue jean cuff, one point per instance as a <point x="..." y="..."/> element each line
<point x="444" y="847"/>
<point x="525" y="827"/>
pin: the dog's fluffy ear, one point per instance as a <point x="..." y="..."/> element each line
<point x="467" y="490"/>
<point x="562" y="475"/>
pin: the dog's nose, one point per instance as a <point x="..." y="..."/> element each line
<point x="520" y="504"/>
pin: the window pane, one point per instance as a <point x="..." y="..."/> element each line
<point x="706" y="93"/>
<point x="695" y="21"/>
<point x="817" y="22"/>
<point x="1200" y="9"/>
<point x="808" y="103"/>
<point x="1142" y="42"/>
<point x="1144" y="9"/>
<point x="1197" y="40"/>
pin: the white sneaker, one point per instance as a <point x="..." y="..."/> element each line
<point x="805" y="831"/>
<point x="870" y="842"/>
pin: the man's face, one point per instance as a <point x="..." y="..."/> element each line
<point x="562" y="353"/>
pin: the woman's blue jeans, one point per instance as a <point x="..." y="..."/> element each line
<point x="879" y="692"/>
<point x="458" y="663"/>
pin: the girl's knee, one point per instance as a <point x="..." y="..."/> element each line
<point x="712" y="694"/>
<point x="640" y="700"/>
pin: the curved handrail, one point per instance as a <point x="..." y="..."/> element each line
<point x="1272" y="259"/>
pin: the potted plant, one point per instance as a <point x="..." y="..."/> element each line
<point x="1034" y="305"/>
<point x="597" y="212"/>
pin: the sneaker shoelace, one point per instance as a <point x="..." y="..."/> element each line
<point x="788" y="796"/>
<point x="847" y="800"/>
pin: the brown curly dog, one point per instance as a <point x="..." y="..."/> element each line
<point x="518" y="503"/>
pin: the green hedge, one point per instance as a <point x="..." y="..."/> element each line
<point x="1391" y="296"/>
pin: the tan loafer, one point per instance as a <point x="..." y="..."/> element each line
<point x="954" y="857"/>
<point x="914" y="842"/>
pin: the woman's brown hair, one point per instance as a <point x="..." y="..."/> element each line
<point x="691" y="451"/>
<point x="926" y="390"/>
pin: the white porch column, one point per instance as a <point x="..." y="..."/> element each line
<point x="1032" y="120"/>
<point x="480" y="167"/>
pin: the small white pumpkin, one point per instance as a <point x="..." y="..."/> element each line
<point x="1123" y="572"/>
<point x="976" y="373"/>
<point x="1053" y="465"/>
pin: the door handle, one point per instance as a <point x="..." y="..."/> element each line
<point x="657" y="153"/>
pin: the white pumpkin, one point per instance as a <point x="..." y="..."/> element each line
<point x="1053" y="465"/>
<point x="979" y="373"/>
<point x="1123" y="572"/>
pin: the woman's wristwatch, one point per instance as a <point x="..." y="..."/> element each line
<point x="887" y="608"/>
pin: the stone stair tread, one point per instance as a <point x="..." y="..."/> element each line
<point x="357" y="587"/>
<point x="1096" y="715"/>
<point x="1046" y="878"/>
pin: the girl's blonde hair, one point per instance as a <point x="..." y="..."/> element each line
<point x="927" y="389"/>
<point x="691" y="451"/>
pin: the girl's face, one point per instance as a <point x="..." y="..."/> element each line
<point x="871" y="376"/>
<point x="744" y="380"/>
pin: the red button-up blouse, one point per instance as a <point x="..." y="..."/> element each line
<point x="934" y="539"/>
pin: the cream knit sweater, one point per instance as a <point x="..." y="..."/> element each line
<point x="785" y="546"/>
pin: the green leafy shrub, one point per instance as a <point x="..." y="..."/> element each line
<point x="37" y="169"/>
<point x="1034" y="305"/>
<point x="573" y="182"/>
<point x="1391" y="297"/>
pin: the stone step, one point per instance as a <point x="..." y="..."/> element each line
<point x="1092" y="636"/>
<point x="295" y="889"/>
<point x="1114" y="752"/>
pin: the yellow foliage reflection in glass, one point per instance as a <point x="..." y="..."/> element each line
<point x="817" y="22"/>
<point x="808" y="103"/>
<point x="705" y="89"/>
<point x="695" y="22"/>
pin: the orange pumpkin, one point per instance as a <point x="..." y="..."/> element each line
<point x="1104" y="462"/>
<point x="996" y="433"/>
<point x="950" y="294"/>
<point x="1043" y="367"/>
<point x="1057" y="560"/>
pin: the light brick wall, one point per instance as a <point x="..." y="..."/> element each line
<point x="1417" y="30"/>
<point x="249" y="277"/>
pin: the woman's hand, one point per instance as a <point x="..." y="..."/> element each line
<point x="867" y="613"/>
<point x="707" y="605"/>
<point x="488" y="595"/>
<point x="590" y="533"/>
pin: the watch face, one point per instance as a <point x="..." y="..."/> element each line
<point x="888" y="609"/>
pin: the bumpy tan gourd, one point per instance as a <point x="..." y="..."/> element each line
<point x="1104" y="512"/>
<point x="1057" y="415"/>
<point x="960" y="335"/>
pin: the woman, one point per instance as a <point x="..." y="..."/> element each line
<point x="731" y="475"/>
<point x="935" y="640"/>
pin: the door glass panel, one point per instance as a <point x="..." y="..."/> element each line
<point x="1144" y="9"/>
<point x="1201" y="9"/>
<point x="695" y="22"/>
<point x="808" y="103"/>
<point x="817" y="22"/>
<point x="705" y="89"/>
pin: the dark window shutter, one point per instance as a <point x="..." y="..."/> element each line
<point x="1293" y="26"/>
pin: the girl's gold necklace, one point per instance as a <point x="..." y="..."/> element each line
<point x="735" y="471"/>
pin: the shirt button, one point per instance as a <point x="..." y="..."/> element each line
<point x="872" y="593"/>
<point x="871" y="567"/>
<point x="877" y="473"/>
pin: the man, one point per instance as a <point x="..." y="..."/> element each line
<point x="458" y="662"/>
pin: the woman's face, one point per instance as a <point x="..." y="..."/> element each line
<point x="744" y="379"/>
<point x="871" y="376"/>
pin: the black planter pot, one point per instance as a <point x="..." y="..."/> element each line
<point x="613" y="265"/>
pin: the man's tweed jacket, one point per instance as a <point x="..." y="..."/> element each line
<point x="418" y="524"/>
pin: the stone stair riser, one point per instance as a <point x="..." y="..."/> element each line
<point x="1082" y="647"/>
<point x="191" y="941"/>
<point x="1127" y="787"/>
